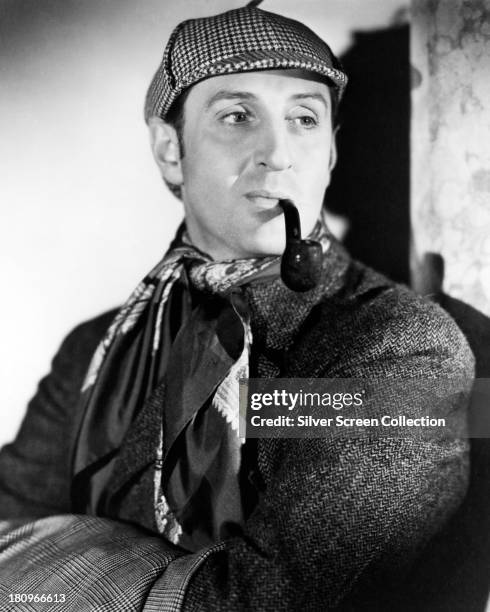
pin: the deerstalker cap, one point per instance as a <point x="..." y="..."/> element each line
<point x="240" y="40"/>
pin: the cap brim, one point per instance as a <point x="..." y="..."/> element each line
<point x="266" y="60"/>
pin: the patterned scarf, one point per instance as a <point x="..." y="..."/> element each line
<point x="202" y="359"/>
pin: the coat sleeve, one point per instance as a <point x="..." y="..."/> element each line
<point x="339" y="523"/>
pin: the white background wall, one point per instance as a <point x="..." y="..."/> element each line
<point x="83" y="211"/>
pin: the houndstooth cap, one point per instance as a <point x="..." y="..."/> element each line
<point x="239" y="40"/>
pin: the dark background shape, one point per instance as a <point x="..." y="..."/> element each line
<point x="370" y="185"/>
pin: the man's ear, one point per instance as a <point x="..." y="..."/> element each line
<point x="166" y="150"/>
<point x="333" y="149"/>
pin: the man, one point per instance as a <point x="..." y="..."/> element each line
<point x="181" y="513"/>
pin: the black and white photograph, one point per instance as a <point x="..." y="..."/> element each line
<point x="245" y="357"/>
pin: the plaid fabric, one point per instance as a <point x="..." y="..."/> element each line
<point x="90" y="564"/>
<point x="168" y="593"/>
<point x="240" y="40"/>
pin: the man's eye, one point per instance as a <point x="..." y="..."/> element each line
<point x="306" y="121"/>
<point x="236" y="117"/>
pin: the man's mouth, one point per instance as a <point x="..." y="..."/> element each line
<point x="266" y="198"/>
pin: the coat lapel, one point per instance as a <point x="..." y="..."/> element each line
<point x="137" y="452"/>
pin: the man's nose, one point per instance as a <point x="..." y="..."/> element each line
<point x="272" y="148"/>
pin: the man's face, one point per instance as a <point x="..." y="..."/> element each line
<point x="250" y="139"/>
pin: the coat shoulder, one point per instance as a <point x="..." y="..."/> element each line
<point x="91" y="330"/>
<point x="372" y="319"/>
<point x="79" y="345"/>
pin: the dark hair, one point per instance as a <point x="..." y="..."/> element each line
<point x="175" y="118"/>
<point x="334" y="97"/>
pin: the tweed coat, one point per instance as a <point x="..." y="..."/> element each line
<point x="335" y="524"/>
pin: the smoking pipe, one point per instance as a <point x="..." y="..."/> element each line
<point x="301" y="262"/>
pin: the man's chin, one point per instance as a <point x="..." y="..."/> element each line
<point x="267" y="247"/>
<point x="264" y="241"/>
<point x="269" y="240"/>
<point x="255" y="250"/>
